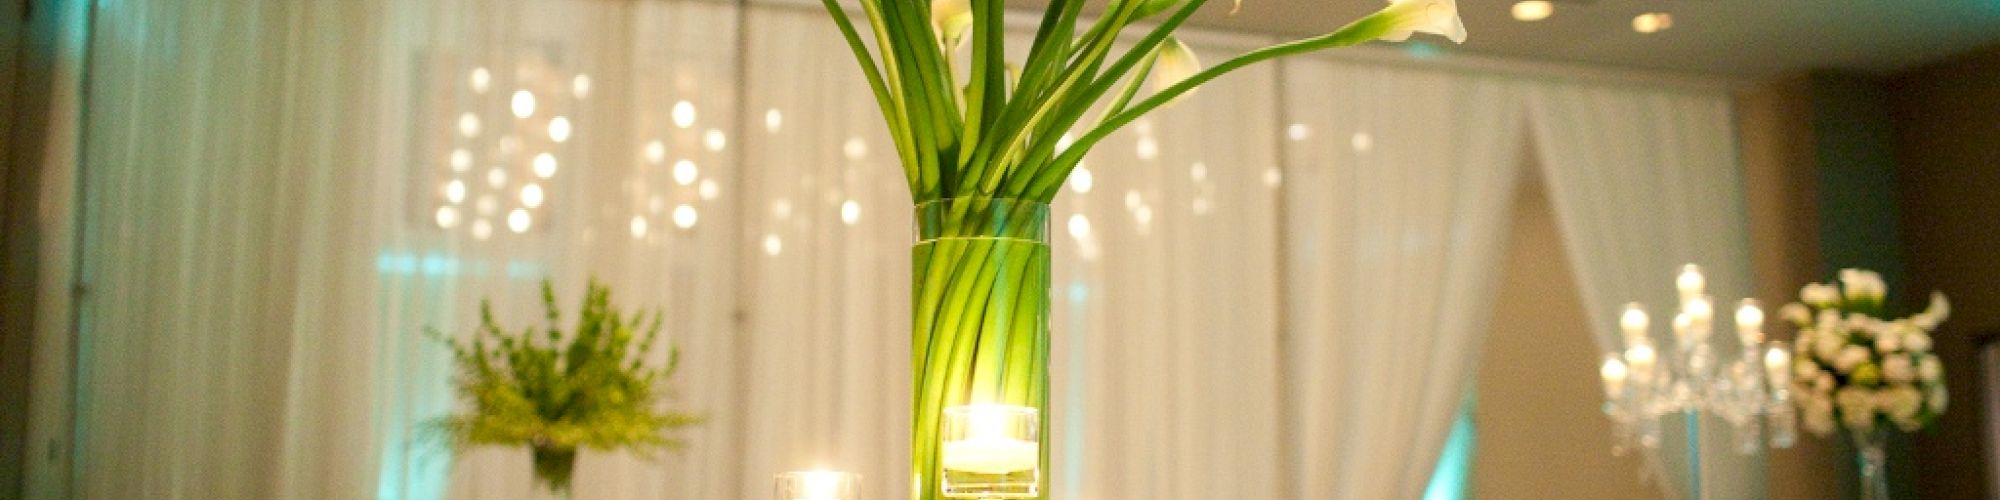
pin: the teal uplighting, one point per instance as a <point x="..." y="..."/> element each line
<point x="1454" y="465"/>
<point x="1422" y="49"/>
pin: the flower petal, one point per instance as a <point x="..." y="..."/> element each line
<point x="1438" y="17"/>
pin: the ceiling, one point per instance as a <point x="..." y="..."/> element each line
<point x="1737" y="39"/>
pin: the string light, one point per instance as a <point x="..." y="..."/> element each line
<point x="709" y="189"/>
<point x="1652" y="22"/>
<point x="580" y="86"/>
<point x="461" y="160"/>
<point x="454" y="191"/>
<point x="1533" y="10"/>
<point x="773" y="120"/>
<point x="1362" y="142"/>
<point x="656" y="152"/>
<point x="714" y="139"/>
<point x="544" y="165"/>
<point x="1298" y="131"/>
<point x="468" y="125"/>
<point x="685" y="172"/>
<point x="447" y="217"/>
<point x="523" y="104"/>
<point x="855" y="149"/>
<point x="850" y="212"/>
<point x="1079" y="226"/>
<point x="1198" y="172"/>
<point x="638" y="226"/>
<point x="559" y="129"/>
<point x="496" y="178"/>
<point x="480" y="80"/>
<point x="683" y="114"/>
<point x="685" y="216"/>
<point x="773" y="245"/>
<point x="1081" y="180"/>
<point x="518" y="220"/>
<point x="481" y="230"/>
<point x="1147" y="148"/>
<point x="531" y="195"/>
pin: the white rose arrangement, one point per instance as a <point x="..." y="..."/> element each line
<point x="1856" y="369"/>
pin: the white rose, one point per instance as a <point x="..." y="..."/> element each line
<point x="1917" y="341"/>
<point x="1862" y="284"/>
<point x="1827" y="346"/>
<point x="1897" y="369"/>
<point x="1857" y="408"/>
<point x="1796" y="313"/>
<point x="1900" y="401"/>
<point x="1939" y="310"/>
<point x="1938" y="399"/>
<point x="1819" y="294"/>
<point x="1888" y="342"/>
<point x="1805" y="369"/>
<point x="1866" y="326"/>
<point x="1930" y="369"/>
<point x="1850" y="357"/>
<point x="1823" y="384"/>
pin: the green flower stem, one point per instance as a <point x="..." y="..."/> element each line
<point x="891" y="106"/>
<point x="1036" y="162"/>
<point x="1361" y="31"/>
<point x="980" y="313"/>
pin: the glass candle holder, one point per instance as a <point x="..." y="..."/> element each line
<point x="819" y="485"/>
<point x="991" y="452"/>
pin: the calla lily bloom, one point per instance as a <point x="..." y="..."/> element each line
<point x="950" y="18"/>
<point x="1438" y="17"/>
<point x="1176" y="63"/>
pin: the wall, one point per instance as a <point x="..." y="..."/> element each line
<point x="1541" y="434"/>
<point x="1947" y="141"/>
<point x="1780" y="172"/>
<point x="1895" y="173"/>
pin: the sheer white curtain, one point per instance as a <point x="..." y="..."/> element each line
<point x="1399" y="187"/>
<point x="280" y="196"/>
<point x="226" y="314"/>
<point x="1643" y="181"/>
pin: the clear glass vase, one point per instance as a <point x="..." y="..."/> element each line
<point x="1872" y="462"/>
<point x="980" y="309"/>
<point x="554" y="466"/>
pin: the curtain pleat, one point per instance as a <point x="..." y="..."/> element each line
<point x="1274" y="289"/>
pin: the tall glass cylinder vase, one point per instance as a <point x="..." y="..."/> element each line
<point x="1873" y="463"/>
<point x="554" y="466"/>
<point x="980" y="319"/>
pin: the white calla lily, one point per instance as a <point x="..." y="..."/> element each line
<point x="1176" y="63"/>
<point x="949" y="19"/>
<point x="1438" y="17"/>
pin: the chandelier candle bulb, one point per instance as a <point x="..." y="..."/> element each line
<point x="1778" y="365"/>
<point x="1683" y="329"/>
<point x="1690" y="282"/>
<point x="1750" y="323"/>
<point x="1690" y="378"/>
<point x="818" y="485"/>
<point x="1614" y="373"/>
<point x="1634" y="322"/>
<point x="1640" y="359"/>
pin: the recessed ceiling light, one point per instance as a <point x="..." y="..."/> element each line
<point x="1533" y="10"/>
<point x="1652" y="22"/>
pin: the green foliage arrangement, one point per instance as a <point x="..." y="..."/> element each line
<point x="555" y="392"/>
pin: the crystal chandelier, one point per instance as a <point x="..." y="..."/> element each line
<point x="1645" y="383"/>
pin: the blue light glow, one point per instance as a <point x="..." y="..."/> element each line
<point x="1454" y="466"/>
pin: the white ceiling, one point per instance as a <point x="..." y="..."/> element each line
<point x="1736" y="39"/>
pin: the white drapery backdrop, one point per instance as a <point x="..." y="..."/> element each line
<point x="1643" y="182"/>
<point x="1260" y="294"/>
